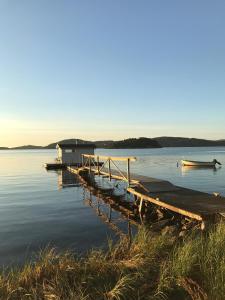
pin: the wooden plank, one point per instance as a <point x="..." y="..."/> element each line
<point x="165" y="205"/>
<point x="128" y="171"/>
<point x="155" y="201"/>
<point x="113" y="175"/>
<point x="117" y="158"/>
<point x="187" y="202"/>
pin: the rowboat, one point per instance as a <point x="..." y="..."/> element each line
<point x="192" y="163"/>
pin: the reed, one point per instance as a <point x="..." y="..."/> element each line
<point x="150" y="267"/>
<point x="197" y="266"/>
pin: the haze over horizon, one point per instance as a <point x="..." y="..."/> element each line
<point x="102" y="70"/>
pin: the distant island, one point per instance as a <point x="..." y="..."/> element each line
<point x="135" y="143"/>
<point x="166" y="141"/>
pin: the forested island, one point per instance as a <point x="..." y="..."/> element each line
<point x="141" y="142"/>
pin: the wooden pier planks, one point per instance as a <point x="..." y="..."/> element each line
<point x="193" y="204"/>
<point x="187" y="202"/>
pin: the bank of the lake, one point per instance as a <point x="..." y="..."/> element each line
<point x="152" y="266"/>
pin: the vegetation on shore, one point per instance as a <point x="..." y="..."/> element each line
<point x="150" y="267"/>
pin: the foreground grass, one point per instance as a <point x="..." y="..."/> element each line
<point x="197" y="265"/>
<point x="151" y="267"/>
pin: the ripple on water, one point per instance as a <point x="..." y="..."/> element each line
<point x="35" y="211"/>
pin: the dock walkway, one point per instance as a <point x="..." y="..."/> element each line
<point x="187" y="202"/>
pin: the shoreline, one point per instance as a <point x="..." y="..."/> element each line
<point x="170" y="147"/>
<point x="148" y="267"/>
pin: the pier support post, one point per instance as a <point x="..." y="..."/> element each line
<point x="110" y="175"/>
<point x="89" y="165"/>
<point x="110" y="213"/>
<point x="128" y="172"/>
<point x="207" y="222"/>
<point x="98" y="165"/>
<point x="82" y="160"/>
<point x="140" y="209"/>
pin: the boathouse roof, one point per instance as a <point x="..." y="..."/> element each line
<point x="75" y="145"/>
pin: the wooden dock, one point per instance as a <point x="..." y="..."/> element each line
<point x="54" y="166"/>
<point x="187" y="202"/>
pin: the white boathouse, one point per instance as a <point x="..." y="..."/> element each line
<point x="71" y="154"/>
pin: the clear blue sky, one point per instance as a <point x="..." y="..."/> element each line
<point x="111" y="69"/>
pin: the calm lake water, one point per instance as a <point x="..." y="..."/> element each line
<point x="36" y="212"/>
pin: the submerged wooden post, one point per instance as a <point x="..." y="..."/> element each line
<point x="98" y="207"/>
<point x="110" y="213"/>
<point x="89" y="165"/>
<point x="110" y="176"/>
<point x="140" y="209"/>
<point x="82" y="160"/>
<point x="128" y="171"/>
<point x="98" y="165"/>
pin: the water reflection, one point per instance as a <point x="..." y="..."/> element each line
<point x="188" y="169"/>
<point x="110" y="216"/>
<point x="67" y="179"/>
<point x="103" y="201"/>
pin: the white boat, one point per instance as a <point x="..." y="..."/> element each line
<point x="191" y="163"/>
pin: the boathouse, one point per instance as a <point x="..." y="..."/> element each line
<point x="71" y="154"/>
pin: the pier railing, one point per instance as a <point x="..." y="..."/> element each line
<point x="93" y="164"/>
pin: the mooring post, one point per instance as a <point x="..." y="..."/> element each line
<point x="98" y="207"/>
<point x="98" y="165"/>
<point x="110" y="177"/>
<point x="82" y="160"/>
<point x="140" y="210"/>
<point x="110" y="213"/>
<point x="128" y="171"/>
<point x="89" y="165"/>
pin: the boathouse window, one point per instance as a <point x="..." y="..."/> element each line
<point x="68" y="151"/>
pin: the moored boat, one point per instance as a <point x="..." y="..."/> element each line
<point x="192" y="163"/>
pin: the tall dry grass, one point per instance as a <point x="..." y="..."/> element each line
<point x="150" y="267"/>
<point x="125" y="271"/>
<point x="197" y="266"/>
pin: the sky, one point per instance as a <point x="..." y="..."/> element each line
<point x="111" y="69"/>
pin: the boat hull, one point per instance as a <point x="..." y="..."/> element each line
<point x="190" y="163"/>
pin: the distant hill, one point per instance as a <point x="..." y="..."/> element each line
<point x="27" y="147"/>
<point x="104" y="144"/>
<point x="68" y="141"/>
<point x="136" y="143"/>
<point x="142" y="142"/>
<point x="128" y="143"/>
<point x="166" y="141"/>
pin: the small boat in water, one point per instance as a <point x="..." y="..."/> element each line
<point x="191" y="163"/>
